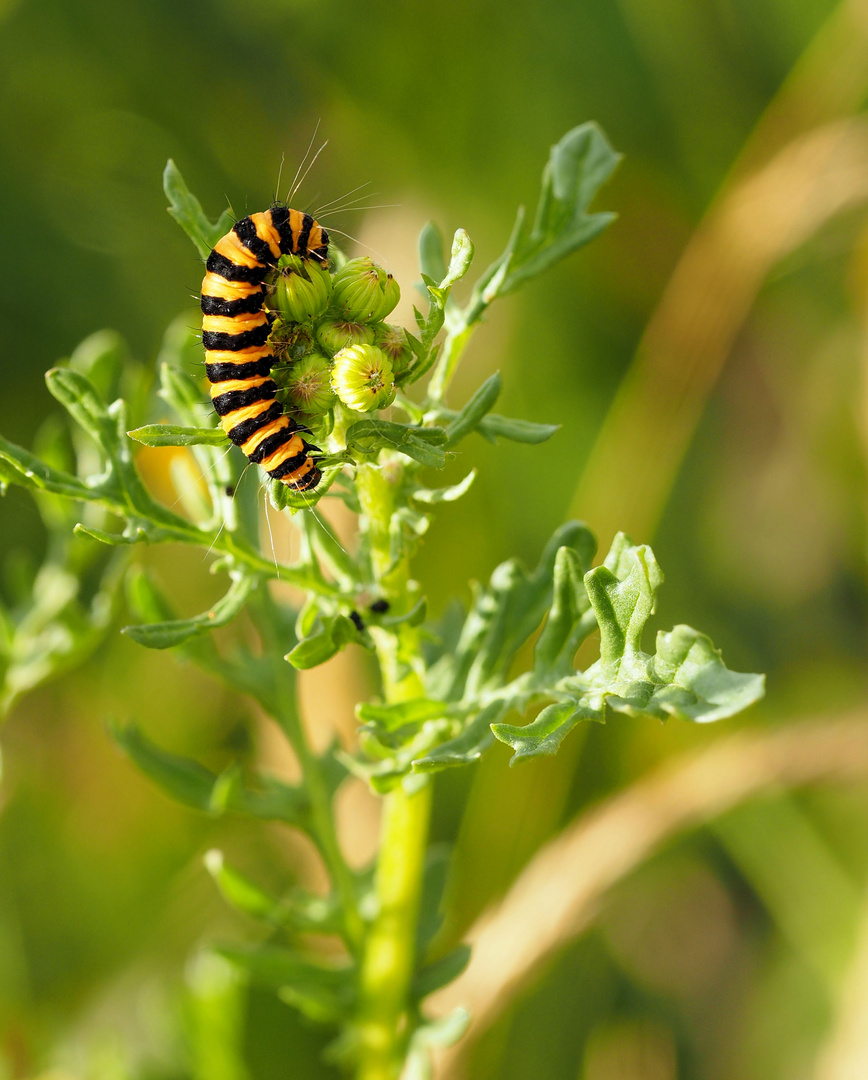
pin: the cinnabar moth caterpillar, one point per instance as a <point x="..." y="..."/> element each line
<point x="235" y="330"/>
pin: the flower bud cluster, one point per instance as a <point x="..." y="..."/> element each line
<point x="343" y="351"/>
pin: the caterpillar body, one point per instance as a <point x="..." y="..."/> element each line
<point x="235" y="329"/>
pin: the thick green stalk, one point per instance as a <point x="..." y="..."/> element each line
<point x="389" y="955"/>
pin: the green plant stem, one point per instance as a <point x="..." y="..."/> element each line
<point x="453" y="348"/>
<point x="327" y="838"/>
<point x="389" y="955"/>
<point x="285" y="710"/>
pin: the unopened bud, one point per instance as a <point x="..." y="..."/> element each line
<point x="308" y="383"/>
<point x="362" y="378"/>
<point x="364" y="292"/>
<point x="303" y="288"/>
<point x="393" y="341"/>
<point x="334" y="335"/>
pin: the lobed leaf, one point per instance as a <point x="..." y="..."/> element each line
<point x="544" y="735"/>
<point x="506" y="612"/>
<point x="570" y="619"/>
<point x="685" y="678"/>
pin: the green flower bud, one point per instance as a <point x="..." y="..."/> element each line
<point x="334" y="335"/>
<point x="308" y="383"/>
<point x="303" y="288"/>
<point x="362" y="378"/>
<point x="393" y="341"/>
<point x="364" y="292"/>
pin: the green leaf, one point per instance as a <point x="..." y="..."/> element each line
<point x="102" y="358"/>
<point x="193" y="785"/>
<point x="238" y="890"/>
<point x="112" y="539"/>
<point x="441" y="972"/>
<point x="423" y="444"/>
<point x="186" y="781"/>
<point x="623" y="605"/>
<point x="460" y="260"/>
<point x="431" y="903"/>
<point x="403" y="713"/>
<point x="696" y="685"/>
<point x="301" y="911"/>
<point x="186" y="209"/>
<point x="330" y="550"/>
<point x="435" y="1034"/>
<point x="493" y="427"/>
<point x="334" y="633"/>
<point x="685" y="678"/>
<point x="466" y="748"/>
<point x="79" y="397"/>
<point x="432" y="496"/>
<point x="541" y="737"/>
<point x="323" y="992"/>
<point x="282" y="497"/>
<point x="505" y="613"/>
<point x="61" y="613"/>
<point x="165" y="634"/>
<point x="173" y="435"/>
<point x="577" y="167"/>
<point x="570" y="619"/>
<point x="469" y="418"/>
<point x="385" y="774"/>
<point x="431" y="257"/>
<point x="25" y="469"/>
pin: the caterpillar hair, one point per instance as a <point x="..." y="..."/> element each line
<point x="235" y="330"/>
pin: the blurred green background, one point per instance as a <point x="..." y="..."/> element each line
<point x="724" y="315"/>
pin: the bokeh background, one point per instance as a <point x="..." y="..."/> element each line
<point x="706" y="360"/>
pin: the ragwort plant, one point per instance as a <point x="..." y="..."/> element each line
<point x="445" y="693"/>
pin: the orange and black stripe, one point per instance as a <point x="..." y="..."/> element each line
<point x="235" y="329"/>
